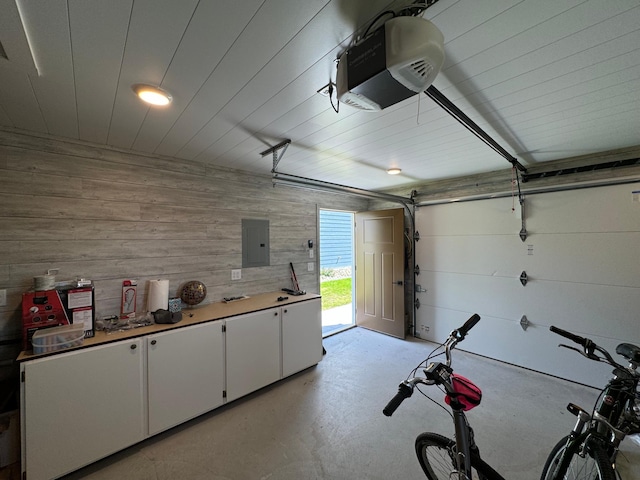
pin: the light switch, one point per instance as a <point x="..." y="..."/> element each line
<point x="310" y="267"/>
<point x="236" y="274"/>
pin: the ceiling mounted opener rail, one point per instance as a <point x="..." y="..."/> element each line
<point x="434" y="94"/>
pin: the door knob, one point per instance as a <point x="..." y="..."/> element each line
<point x="399" y="282"/>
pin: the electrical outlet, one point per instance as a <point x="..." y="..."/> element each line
<point x="236" y="274"/>
<point x="3" y="297"/>
<point x="310" y="267"/>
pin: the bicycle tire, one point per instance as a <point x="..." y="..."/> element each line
<point x="436" y="454"/>
<point x="595" y="465"/>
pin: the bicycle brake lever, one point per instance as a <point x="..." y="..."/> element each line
<point x="589" y="355"/>
<point x="571" y="348"/>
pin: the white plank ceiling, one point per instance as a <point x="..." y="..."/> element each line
<point x="547" y="79"/>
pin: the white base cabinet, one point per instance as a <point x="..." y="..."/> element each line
<point x="301" y="336"/>
<point x="185" y="374"/>
<point x="253" y="352"/>
<point x="80" y="406"/>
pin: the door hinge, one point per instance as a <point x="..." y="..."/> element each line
<point x="524" y="278"/>
<point x="23" y="376"/>
<point x="224" y="328"/>
<point x="224" y="394"/>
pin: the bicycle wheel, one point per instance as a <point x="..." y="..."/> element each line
<point x="593" y="466"/>
<point x="436" y="455"/>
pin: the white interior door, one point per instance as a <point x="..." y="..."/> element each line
<point x="380" y="271"/>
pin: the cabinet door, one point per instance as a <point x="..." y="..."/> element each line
<point x="81" y="406"/>
<point x="301" y="336"/>
<point x="185" y="369"/>
<point x="252" y="352"/>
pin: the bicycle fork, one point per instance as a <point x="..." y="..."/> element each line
<point x="604" y="428"/>
<point x="464" y="444"/>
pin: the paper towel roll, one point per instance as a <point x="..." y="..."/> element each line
<point x="44" y="282"/>
<point x="158" y="295"/>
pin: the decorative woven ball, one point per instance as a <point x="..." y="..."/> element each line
<point x="193" y="292"/>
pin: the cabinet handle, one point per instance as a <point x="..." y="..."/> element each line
<point x="275" y="314"/>
<point x="285" y="311"/>
<point x="134" y="346"/>
<point x="153" y="342"/>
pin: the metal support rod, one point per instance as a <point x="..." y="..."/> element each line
<point x="435" y="95"/>
<point x="532" y="191"/>
<point x="629" y="162"/>
<point x="310" y="183"/>
<point x="523" y="231"/>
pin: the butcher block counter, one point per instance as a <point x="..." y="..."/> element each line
<point x="190" y="316"/>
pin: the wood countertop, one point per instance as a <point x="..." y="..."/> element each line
<point x="190" y="316"/>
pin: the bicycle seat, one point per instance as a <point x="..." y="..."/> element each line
<point x="629" y="351"/>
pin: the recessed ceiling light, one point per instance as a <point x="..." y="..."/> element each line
<point x="394" y="171"/>
<point x="152" y="95"/>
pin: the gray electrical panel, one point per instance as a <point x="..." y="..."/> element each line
<point x="255" y="243"/>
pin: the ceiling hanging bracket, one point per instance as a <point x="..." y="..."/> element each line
<point x="277" y="154"/>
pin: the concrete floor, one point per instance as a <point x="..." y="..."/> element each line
<point x="327" y="422"/>
<point x="336" y="319"/>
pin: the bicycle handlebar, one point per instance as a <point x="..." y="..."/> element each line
<point x="404" y="391"/>
<point x="589" y="347"/>
<point x="468" y="325"/>
<point x="575" y="338"/>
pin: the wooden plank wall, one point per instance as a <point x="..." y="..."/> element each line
<point x="109" y="215"/>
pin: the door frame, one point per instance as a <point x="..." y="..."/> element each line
<point x="352" y="322"/>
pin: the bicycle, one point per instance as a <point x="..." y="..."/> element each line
<point x="590" y="450"/>
<point x="440" y="457"/>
